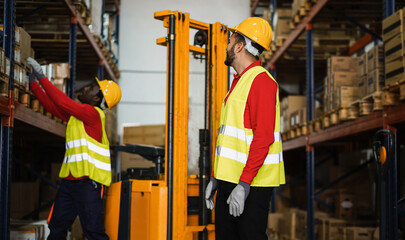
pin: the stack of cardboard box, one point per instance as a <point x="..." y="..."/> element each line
<point x="393" y="37"/>
<point x="343" y="72"/>
<point x="375" y="70"/>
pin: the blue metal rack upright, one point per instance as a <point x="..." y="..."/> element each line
<point x="7" y="123"/>
<point x="310" y="149"/>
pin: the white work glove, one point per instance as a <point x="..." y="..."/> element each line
<point x="209" y="193"/>
<point x="237" y="199"/>
<point x="36" y="68"/>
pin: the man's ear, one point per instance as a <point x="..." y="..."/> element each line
<point x="96" y="99"/>
<point x="239" y="47"/>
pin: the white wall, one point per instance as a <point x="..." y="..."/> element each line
<point x="143" y="63"/>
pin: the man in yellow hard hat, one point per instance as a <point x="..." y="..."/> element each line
<point x="248" y="157"/>
<point x="86" y="167"/>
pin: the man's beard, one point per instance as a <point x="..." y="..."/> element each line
<point x="230" y="57"/>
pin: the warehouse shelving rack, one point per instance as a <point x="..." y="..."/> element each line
<point x="388" y="118"/>
<point x="15" y="116"/>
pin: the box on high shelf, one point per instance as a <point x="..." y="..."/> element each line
<point x="375" y="58"/>
<point x="17" y="54"/>
<point x="340" y="79"/>
<point x="62" y="70"/>
<point x="298" y="117"/>
<point x="393" y="25"/>
<point x="375" y="81"/>
<point x="283" y="25"/>
<point x="343" y="64"/>
<point x="394" y="48"/>
<point x="289" y="105"/>
<point x="345" y="95"/>
<point x="394" y="71"/>
<point x="24" y="45"/>
<point x="363" y="64"/>
<point x="362" y="84"/>
<point x="7" y="66"/>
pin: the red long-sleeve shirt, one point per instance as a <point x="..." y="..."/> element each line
<point x="260" y="116"/>
<point x="60" y="105"/>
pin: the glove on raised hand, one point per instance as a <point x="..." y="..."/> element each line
<point x="209" y="193"/>
<point x="236" y="199"/>
<point x="36" y="68"/>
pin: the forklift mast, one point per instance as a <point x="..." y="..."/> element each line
<point x="158" y="209"/>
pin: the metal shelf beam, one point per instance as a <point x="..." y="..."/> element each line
<point x="90" y="38"/>
<point x="297" y="31"/>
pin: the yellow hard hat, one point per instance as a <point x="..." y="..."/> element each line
<point x="256" y="29"/>
<point x="111" y="92"/>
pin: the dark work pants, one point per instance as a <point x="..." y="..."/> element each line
<point x="78" y="197"/>
<point x="252" y="224"/>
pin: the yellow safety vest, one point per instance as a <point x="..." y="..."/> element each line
<point x="84" y="155"/>
<point x="233" y="142"/>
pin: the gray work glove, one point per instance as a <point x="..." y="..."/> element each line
<point x="209" y="193"/>
<point x="36" y="68"/>
<point x="237" y="199"/>
<point x="31" y="78"/>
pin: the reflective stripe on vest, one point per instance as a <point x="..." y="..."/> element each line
<point x="84" y="155"/>
<point x="234" y="140"/>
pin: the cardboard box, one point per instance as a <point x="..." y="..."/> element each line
<point x="60" y="84"/>
<point x="333" y="229"/>
<point x="273" y="221"/>
<point x="301" y="224"/>
<point x="288" y="224"/>
<point x="131" y="160"/>
<point x="25" y="45"/>
<point x="343" y="64"/>
<point x="394" y="48"/>
<point x="359" y="233"/>
<point x="298" y="117"/>
<point x="363" y="64"/>
<point x="362" y="86"/>
<point x="344" y="204"/>
<point x="345" y="95"/>
<point x="393" y="25"/>
<point x="375" y="58"/>
<point x="394" y="71"/>
<point x="27" y="232"/>
<point x="145" y="134"/>
<point x="24" y="198"/>
<point x="340" y="79"/>
<point x="62" y="70"/>
<point x="7" y="66"/>
<point x="375" y="81"/>
<point x="283" y="29"/>
<point x="17" y="55"/>
<point x="289" y="105"/>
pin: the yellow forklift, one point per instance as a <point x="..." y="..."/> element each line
<point x="158" y="209"/>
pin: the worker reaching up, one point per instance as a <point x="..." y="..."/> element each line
<point x="248" y="157"/>
<point x="86" y="167"/>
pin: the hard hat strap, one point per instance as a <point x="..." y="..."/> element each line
<point x="249" y="47"/>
